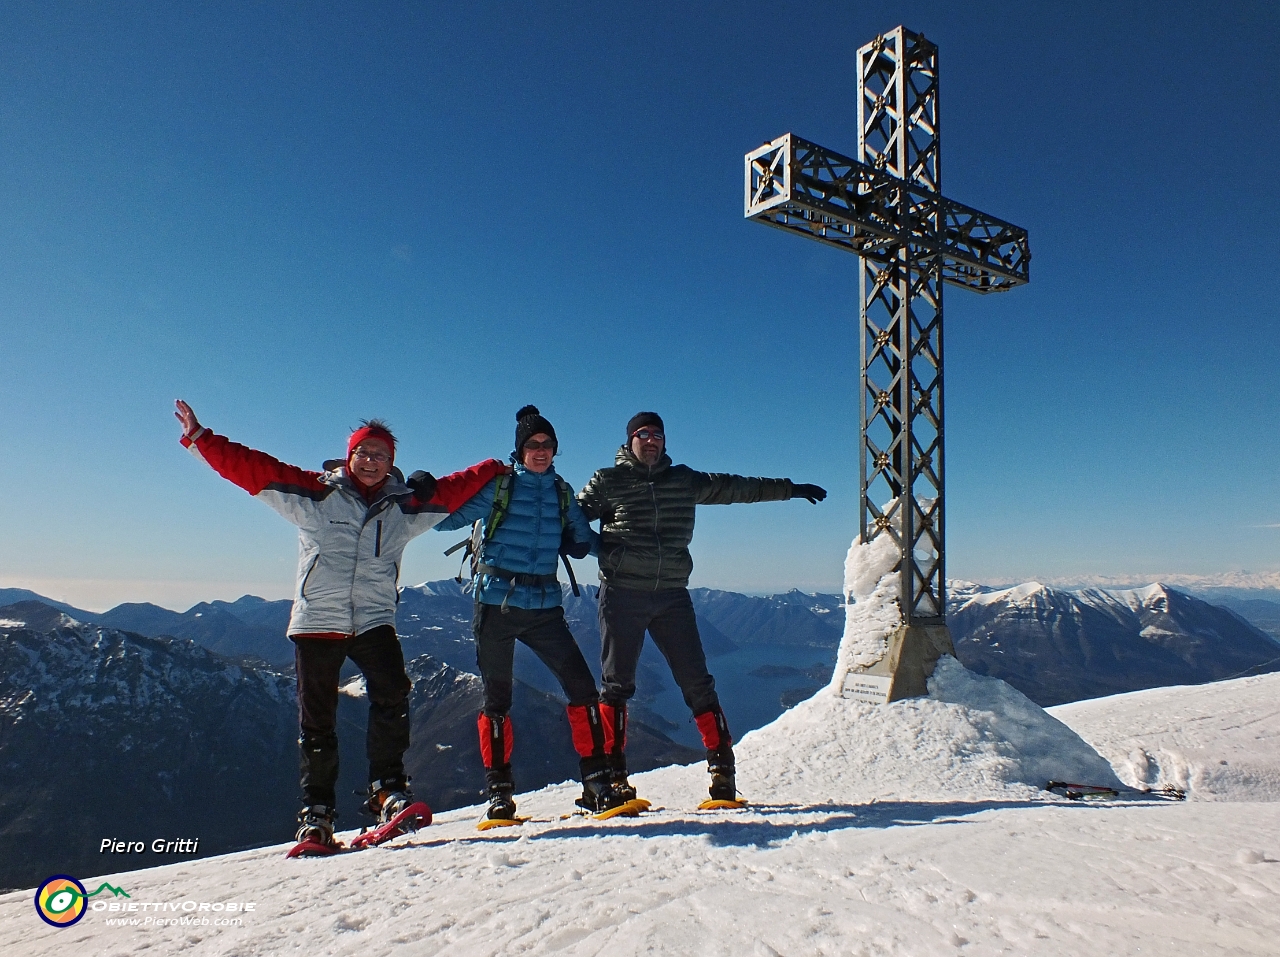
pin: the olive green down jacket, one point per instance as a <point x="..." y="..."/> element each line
<point x="646" y="516"/>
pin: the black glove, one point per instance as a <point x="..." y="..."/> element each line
<point x="572" y="547"/>
<point x="814" y="493"/>
<point x="423" y="485"/>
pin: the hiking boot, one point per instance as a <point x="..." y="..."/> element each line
<point x="721" y="765"/>
<point x="618" y="776"/>
<point x="501" y="805"/>
<point x="315" y="823"/>
<point x="598" y="792"/>
<point x="623" y="789"/>
<point x="723" y="786"/>
<point x="388" y="798"/>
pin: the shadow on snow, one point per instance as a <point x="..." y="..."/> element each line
<point x="765" y="825"/>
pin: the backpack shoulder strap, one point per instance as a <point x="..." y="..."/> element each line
<point x="501" y="503"/>
<point x="565" y="495"/>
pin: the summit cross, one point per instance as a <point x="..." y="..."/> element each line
<point x="887" y="208"/>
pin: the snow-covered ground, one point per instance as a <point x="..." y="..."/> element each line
<point x="916" y="828"/>
<point x="910" y="829"/>
<point x="1220" y="742"/>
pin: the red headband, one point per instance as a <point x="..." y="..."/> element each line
<point x="371" y="432"/>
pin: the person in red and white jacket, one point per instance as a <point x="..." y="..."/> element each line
<point x="354" y="521"/>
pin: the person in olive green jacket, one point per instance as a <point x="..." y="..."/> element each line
<point x="646" y="507"/>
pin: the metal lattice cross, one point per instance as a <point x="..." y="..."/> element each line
<point x="887" y="208"/>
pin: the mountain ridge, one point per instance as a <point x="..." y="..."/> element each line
<point x="112" y="723"/>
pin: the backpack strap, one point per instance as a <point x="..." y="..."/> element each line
<point x="565" y="495"/>
<point x="482" y="531"/>
<point x="501" y="504"/>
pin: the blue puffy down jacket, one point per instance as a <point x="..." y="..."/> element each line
<point x="526" y="542"/>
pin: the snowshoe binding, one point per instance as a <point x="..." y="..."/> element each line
<point x="398" y="813"/>
<point x="315" y="833"/>
<point x="625" y="792"/>
<point x="502" y="809"/>
<point x="724" y="792"/>
<point x="622" y="787"/>
<point x="602" y="800"/>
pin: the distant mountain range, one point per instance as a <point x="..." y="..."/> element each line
<point x="109" y="734"/>
<point x="1059" y="646"/>
<point x="192" y="729"/>
<point x="105" y="734"/>
<point x="1049" y="643"/>
<point x="1239" y="584"/>
<point x="435" y="619"/>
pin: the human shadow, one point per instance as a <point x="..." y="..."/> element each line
<point x="758" y="825"/>
<point x="764" y="825"/>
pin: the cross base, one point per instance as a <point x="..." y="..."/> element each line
<point x="904" y="670"/>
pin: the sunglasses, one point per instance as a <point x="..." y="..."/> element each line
<point x="534" y="445"/>
<point x="380" y="457"/>
<point x="644" y="434"/>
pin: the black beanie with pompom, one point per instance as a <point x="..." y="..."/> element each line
<point x="529" y="422"/>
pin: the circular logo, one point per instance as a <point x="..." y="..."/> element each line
<point x="60" y="900"/>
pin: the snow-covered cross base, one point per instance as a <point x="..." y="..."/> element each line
<point x="881" y="658"/>
<point x="904" y="671"/>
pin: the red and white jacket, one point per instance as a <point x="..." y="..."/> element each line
<point x="349" y="550"/>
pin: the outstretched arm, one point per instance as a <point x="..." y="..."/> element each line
<point x="718" y="488"/>
<point x="184" y="414"/>
<point x="291" y="491"/>
<point x="453" y="491"/>
<point x="478" y="506"/>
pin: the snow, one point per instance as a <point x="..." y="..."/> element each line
<point x="1135" y="599"/>
<point x="1218" y="742"/>
<point x="355" y="688"/>
<point x="851" y="847"/>
<point x="1240" y="580"/>
<point x="965" y="592"/>
<point x="917" y="828"/>
<point x="871" y="608"/>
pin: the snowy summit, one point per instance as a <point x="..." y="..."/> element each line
<point x="917" y="828"/>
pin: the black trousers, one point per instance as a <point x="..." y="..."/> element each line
<point x="625" y="615"/>
<point x="546" y="634"/>
<point x="378" y="655"/>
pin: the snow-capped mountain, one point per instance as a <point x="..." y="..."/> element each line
<point x="1247" y="583"/>
<point x="97" y="724"/>
<point x="917" y="829"/>
<point x="1058" y="646"/>
<point x="769" y="652"/>
<point x="106" y="722"/>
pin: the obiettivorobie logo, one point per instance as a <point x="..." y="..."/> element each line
<point x="61" y="900"/>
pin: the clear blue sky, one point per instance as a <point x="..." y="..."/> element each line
<point x="295" y="215"/>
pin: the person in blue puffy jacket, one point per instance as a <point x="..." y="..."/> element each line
<point x="526" y="520"/>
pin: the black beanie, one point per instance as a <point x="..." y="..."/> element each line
<point x="641" y="419"/>
<point x="529" y="421"/>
